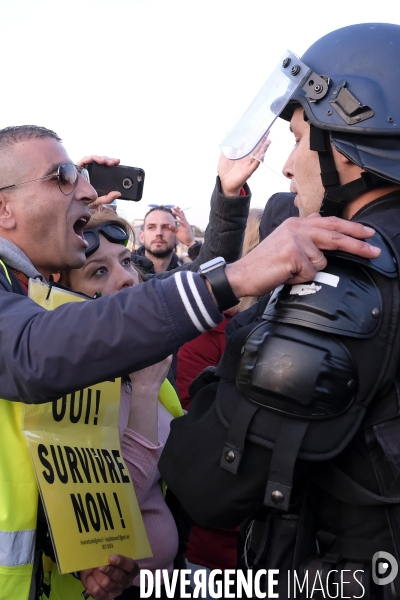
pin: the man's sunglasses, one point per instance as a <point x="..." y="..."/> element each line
<point x="67" y="175"/>
<point x="112" y="231"/>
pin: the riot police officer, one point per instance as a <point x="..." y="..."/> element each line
<point x="298" y="430"/>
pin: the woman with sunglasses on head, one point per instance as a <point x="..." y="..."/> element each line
<point x="148" y="400"/>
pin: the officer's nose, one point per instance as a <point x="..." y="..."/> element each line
<point x="288" y="166"/>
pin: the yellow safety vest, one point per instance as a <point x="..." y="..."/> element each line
<point x="18" y="506"/>
<point x="61" y="587"/>
<point x="18" y="503"/>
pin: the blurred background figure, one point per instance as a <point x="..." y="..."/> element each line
<point x="207" y="349"/>
<point x="163" y="227"/>
<point x="210" y="548"/>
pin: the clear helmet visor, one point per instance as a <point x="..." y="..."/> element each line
<point x="290" y="75"/>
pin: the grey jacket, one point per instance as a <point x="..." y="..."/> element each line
<point x="46" y="354"/>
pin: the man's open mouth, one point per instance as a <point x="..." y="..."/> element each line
<point x="80" y="225"/>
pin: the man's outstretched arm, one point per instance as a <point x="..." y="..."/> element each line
<point x="50" y="353"/>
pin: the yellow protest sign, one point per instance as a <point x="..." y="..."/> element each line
<point x="84" y="483"/>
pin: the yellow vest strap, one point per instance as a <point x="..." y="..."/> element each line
<point x="169" y="399"/>
<point x="6" y="272"/>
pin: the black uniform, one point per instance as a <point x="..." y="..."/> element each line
<point x="306" y="409"/>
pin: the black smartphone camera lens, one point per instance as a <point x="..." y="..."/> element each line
<point x="127" y="183"/>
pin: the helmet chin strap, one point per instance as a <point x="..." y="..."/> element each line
<point x="336" y="195"/>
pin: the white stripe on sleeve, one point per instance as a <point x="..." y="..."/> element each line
<point x="199" y="301"/>
<point x="186" y="303"/>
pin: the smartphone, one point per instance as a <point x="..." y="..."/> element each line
<point x="119" y="178"/>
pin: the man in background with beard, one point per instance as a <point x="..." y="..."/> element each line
<point x="159" y="237"/>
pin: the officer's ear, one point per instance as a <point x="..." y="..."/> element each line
<point x="7" y="219"/>
<point x="348" y="171"/>
<point x="340" y="158"/>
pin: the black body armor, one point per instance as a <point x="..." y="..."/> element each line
<point x="299" y="431"/>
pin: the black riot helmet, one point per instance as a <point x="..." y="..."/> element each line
<point x="348" y="86"/>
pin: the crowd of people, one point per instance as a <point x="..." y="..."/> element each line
<point x="259" y="381"/>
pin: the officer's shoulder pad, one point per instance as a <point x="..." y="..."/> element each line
<point x="386" y="263"/>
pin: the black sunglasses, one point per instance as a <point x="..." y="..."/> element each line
<point x="112" y="231"/>
<point x="67" y="175"/>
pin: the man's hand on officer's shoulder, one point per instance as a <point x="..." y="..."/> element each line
<point x="293" y="253"/>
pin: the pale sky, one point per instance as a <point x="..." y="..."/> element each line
<point x="158" y="83"/>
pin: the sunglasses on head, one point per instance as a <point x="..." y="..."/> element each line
<point x="67" y="175"/>
<point x="162" y="206"/>
<point x="111" y="230"/>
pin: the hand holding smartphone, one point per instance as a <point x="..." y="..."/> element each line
<point x="129" y="181"/>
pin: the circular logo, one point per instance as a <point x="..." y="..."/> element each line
<point x="127" y="183"/>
